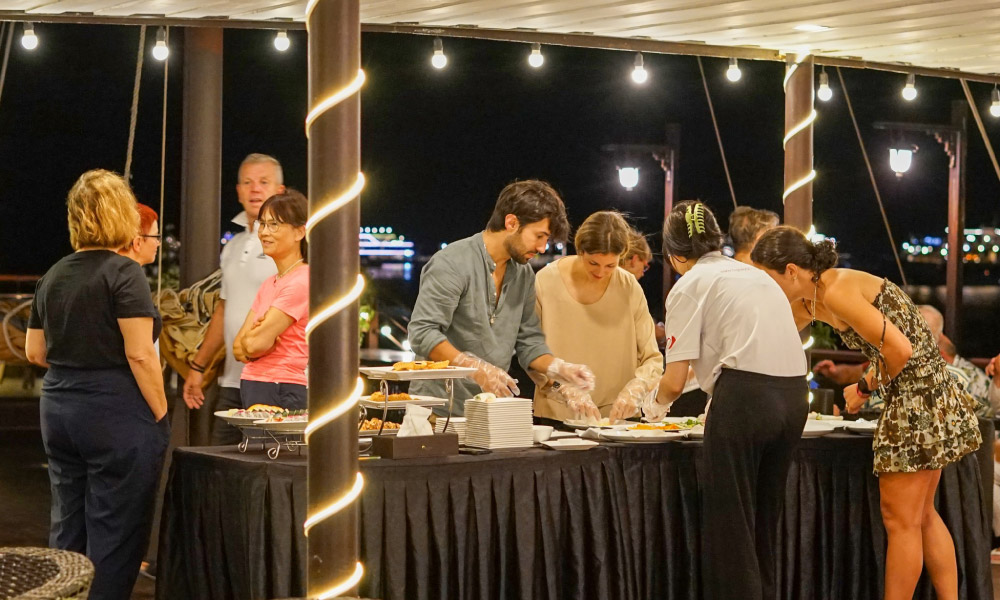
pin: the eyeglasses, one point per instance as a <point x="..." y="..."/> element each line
<point x="271" y="226"/>
<point x="151" y="236"/>
<point x="645" y="267"/>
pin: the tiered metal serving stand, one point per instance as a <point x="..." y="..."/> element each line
<point x="385" y="374"/>
<point x="289" y="435"/>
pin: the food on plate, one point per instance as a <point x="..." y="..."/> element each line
<point x="420" y="365"/>
<point x="821" y="417"/>
<point x="289" y="416"/>
<point x="485" y="397"/>
<point x="374" y="424"/>
<point x="400" y="397"/>
<point x="667" y="426"/>
<point x="265" y="408"/>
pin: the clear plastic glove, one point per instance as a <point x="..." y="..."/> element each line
<point x="490" y="377"/>
<point x="579" y="376"/>
<point x="580" y="402"/>
<point x="652" y="410"/>
<point x="629" y="399"/>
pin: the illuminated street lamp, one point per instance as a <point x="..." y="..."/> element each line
<point x="628" y="177"/>
<point x="900" y="160"/>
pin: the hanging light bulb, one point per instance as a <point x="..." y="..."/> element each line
<point x="29" y="40"/>
<point x="639" y="74"/>
<point x="910" y="89"/>
<point x="281" y="41"/>
<point x="439" y="60"/>
<point x="995" y="102"/>
<point x="535" y="59"/>
<point x="160" y="50"/>
<point x="628" y="177"/>
<point x="900" y="160"/>
<point x="824" y="92"/>
<point x="733" y="73"/>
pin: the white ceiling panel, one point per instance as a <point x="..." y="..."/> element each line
<point x="953" y="34"/>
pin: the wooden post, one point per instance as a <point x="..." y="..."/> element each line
<point x="201" y="153"/>
<point x="798" y="142"/>
<point x="955" y="144"/>
<point x="333" y="129"/>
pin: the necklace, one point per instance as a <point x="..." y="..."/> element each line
<point x="292" y="266"/>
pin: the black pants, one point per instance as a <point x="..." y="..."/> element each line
<point x="224" y="434"/>
<point x="292" y="396"/>
<point x="754" y="424"/>
<point x="105" y="453"/>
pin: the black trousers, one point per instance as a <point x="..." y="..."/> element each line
<point x="224" y="434"/>
<point x="105" y="454"/>
<point x="291" y="396"/>
<point x="754" y="424"/>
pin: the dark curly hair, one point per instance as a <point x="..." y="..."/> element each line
<point x="531" y="201"/>
<point x="678" y="240"/>
<point x="785" y="245"/>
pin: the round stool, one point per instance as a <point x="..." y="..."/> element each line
<point x="44" y="574"/>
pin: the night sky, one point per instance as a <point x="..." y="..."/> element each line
<point x="437" y="146"/>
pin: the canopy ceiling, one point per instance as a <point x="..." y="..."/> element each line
<point x="937" y="34"/>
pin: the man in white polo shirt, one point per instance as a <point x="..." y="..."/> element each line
<point x="244" y="269"/>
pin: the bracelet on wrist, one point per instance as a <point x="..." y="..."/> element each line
<point x="196" y="367"/>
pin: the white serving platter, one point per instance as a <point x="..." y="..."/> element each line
<point x="282" y="426"/>
<point x="388" y="374"/>
<point x="642" y="436"/>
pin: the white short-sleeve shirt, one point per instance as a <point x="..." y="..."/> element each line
<point x="244" y="269"/>
<point x="726" y="314"/>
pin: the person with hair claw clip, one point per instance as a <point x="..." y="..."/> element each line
<point x="733" y="325"/>
<point x="928" y="421"/>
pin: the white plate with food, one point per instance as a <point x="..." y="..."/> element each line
<point x="399" y="401"/>
<point x="814" y="428"/>
<point x="645" y="436"/>
<point x="570" y="444"/>
<point x="371" y="427"/>
<point x="861" y="426"/>
<point x="393" y="374"/>
<point x="815" y="416"/>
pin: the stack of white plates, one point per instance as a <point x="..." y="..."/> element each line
<point x="499" y="423"/>
<point x="456" y="425"/>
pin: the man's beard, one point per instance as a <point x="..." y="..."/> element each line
<point x="516" y="252"/>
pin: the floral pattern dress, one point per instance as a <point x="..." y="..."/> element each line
<point x="929" y="420"/>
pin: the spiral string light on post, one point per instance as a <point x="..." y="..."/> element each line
<point x="335" y="183"/>
<point x="798" y="141"/>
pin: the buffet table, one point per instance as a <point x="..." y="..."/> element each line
<point x="613" y="522"/>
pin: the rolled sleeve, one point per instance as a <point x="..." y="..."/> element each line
<point x="530" y="342"/>
<point x="440" y="292"/>
<point x="650" y="360"/>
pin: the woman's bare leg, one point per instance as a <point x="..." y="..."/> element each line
<point x="939" y="549"/>
<point x="903" y="498"/>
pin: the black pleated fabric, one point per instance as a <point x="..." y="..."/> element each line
<point x="615" y="522"/>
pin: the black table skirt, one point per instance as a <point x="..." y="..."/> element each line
<point x="612" y="522"/>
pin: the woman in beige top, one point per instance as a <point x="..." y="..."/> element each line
<point x="595" y="313"/>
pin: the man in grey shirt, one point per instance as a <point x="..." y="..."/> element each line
<point x="476" y="305"/>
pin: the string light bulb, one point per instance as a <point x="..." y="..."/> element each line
<point x="733" y="73"/>
<point x="29" y="40"/>
<point x="535" y="59"/>
<point x="824" y="92"/>
<point x="160" y="50"/>
<point x="439" y="60"/>
<point x="281" y="41"/>
<point x="995" y="102"/>
<point x="628" y="177"/>
<point x="639" y="74"/>
<point x="910" y="89"/>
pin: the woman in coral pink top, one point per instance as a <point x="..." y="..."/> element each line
<point x="272" y="340"/>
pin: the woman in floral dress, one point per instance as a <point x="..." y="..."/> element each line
<point x="928" y="422"/>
